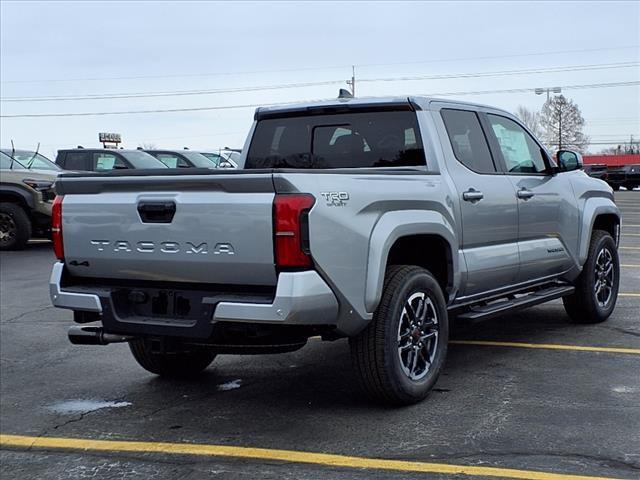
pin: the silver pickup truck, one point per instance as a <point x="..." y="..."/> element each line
<point x="372" y="219"/>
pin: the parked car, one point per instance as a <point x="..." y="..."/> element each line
<point x="182" y="158"/>
<point x="32" y="160"/>
<point x="370" y="219"/>
<point x="627" y="176"/>
<point x="104" y="160"/>
<point x="26" y="198"/>
<point x="596" y="171"/>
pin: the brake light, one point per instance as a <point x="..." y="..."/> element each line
<point x="56" y="227"/>
<point x="291" y="230"/>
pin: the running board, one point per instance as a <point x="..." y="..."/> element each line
<point x="483" y="312"/>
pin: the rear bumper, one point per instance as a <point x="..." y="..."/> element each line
<point x="74" y="301"/>
<point x="301" y="298"/>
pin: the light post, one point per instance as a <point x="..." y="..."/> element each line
<point x="540" y="91"/>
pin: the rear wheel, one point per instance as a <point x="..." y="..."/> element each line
<point x="615" y="187"/>
<point x="597" y="286"/>
<point x="175" y="365"/>
<point x="630" y="186"/>
<point x="15" y="227"/>
<point x="398" y="357"/>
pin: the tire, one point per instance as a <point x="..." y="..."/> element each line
<point x="174" y="365"/>
<point x="382" y="358"/>
<point x="630" y="186"/>
<point x="584" y="306"/>
<point x="615" y="187"/>
<point x="15" y="227"/>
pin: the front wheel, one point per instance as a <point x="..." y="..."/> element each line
<point x="15" y="227"/>
<point x="185" y="364"/>
<point x="597" y="286"/>
<point x="398" y="357"/>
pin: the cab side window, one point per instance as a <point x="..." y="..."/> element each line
<point x="76" y="161"/>
<point x="467" y="140"/>
<point x="104" y="162"/>
<point x="520" y="151"/>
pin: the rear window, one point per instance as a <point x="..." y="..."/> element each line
<point x="348" y="140"/>
<point x="142" y="160"/>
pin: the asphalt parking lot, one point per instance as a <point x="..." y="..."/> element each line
<point x="519" y="398"/>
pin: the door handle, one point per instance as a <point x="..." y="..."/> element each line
<point x="525" y="193"/>
<point x="472" y="195"/>
<point x="156" y="212"/>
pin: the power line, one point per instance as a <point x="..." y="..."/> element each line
<point x="169" y="93"/>
<point x="228" y="107"/>
<point x="173" y="93"/>
<point x="327" y="67"/>
<point x="522" y="90"/>
<point x="573" y="68"/>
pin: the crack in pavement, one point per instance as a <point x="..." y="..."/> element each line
<point x="11" y="320"/>
<point x="602" y="461"/>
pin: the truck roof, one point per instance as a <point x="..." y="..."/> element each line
<point x="98" y="149"/>
<point x="422" y="101"/>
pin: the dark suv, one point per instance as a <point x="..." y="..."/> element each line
<point x="104" y="160"/>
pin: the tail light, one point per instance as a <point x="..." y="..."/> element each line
<point x="56" y="227"/>
<point x="291" y="230"/>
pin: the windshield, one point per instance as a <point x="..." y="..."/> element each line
<point x="233" y="157"/>
<point x="213" y="157"/>
<point x="346" y="140"/>
<point x="33" y="160"/>
<point x="142" y="160"/>
<point x="6" y="164"/>
<point x="198" y="159"/>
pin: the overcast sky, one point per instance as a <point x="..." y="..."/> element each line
<point x="92" y="48"/>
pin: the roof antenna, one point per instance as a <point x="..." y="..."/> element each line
<point x="344" y="93"/>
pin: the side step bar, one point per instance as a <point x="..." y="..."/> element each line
<point x="483" y="312"/>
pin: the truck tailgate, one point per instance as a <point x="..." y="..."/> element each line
<point x="210" y="229"/>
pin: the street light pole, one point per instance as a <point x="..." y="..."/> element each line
<point x="540" y="91"/>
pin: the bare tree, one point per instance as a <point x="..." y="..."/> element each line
<point x="148" y="146"/>
<point x="531" y="119"/>
<point x="562" y="123"/>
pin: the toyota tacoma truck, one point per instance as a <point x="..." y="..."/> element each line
<point x="375" y="220"/>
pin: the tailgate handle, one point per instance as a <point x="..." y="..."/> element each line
<point x="156" y="212"/>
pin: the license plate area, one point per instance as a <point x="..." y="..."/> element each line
<point x="163" y="305"/>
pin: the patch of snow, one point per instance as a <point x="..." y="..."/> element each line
<point x="84" y="406"/>
<point x="623" y="389"/>
<point x="232" y="385"/>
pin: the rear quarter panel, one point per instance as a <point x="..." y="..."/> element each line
<point x="350" y="239"/>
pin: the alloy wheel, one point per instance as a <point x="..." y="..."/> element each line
<point x="604" y="277"/>
<point x="8" y="229"/>
<point x="417" y="335"/>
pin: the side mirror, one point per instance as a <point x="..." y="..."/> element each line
<point x="568" y="160"/>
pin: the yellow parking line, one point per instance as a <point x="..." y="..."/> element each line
<point x="629" y="294"/>
<point x="631" y="234"/>
<point x="627" y="225"/>
<point x="630" y="266"/>
<point x="629" y="248"/>
<point x="548" y="346"/>
<point x="323" y="459"/>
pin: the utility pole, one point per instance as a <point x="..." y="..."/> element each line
<point x="352" y="82"/>
<point x="560" y="128"/>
